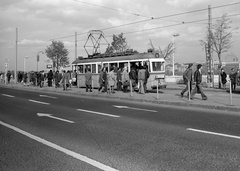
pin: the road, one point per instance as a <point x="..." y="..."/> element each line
<point x="42" y="131"/>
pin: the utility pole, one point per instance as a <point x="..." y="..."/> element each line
<point x="15" y="73"/>
<point x="75" y="45"/>
<point x="209" y="55"/>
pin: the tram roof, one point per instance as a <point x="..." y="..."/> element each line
<point x="116" y="58"/>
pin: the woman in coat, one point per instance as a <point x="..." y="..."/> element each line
<point x="111" y="80"/>
<point x="88" y="80"/>
<point x="65" y="80"/>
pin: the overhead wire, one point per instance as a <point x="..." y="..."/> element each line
<point x="161" y="17"/>
<point x="109" y="8"/>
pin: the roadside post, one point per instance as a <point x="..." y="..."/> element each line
<point x="157" y="78"/>
<point x="65" y="84"/>
<point x="131" y="88"/>
<point x="78" y="83"/>
<point x="92" y="85"/>
<point x="189" y="92"/>
<point x="230" y="92"/>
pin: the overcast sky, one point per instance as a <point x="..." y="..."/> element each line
<point x="39" y="21"/>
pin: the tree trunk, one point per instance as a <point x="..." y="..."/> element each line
<point x="219" y="71"/>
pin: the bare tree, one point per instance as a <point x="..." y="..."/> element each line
<point x="165" y="53"/>
<point x="220" y="38"/>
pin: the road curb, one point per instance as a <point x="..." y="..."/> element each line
<point x="106" y="96"/>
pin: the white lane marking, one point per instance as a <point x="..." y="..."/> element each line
<point x="99" y="113"/>
<point x="38" y="102"/>
<point x="53" y="117"/>
<point x="213" y="133"/>
<point x="48" y="96"/>
<point x="126" y="107"/>
<point x="7" y="95"/>
<point x="59" y="148"/>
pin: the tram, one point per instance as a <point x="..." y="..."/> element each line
<point x="155" y="63"/>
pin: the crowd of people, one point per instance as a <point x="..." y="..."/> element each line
<point x="135" y="79"/>
<point x="189" y="77"/>
<point x="50" y="78"/>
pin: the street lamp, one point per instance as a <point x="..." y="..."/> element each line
<point x="6" y="69"/>
<point x="174" y="35"/>
<point x="38" y="58"/>
<point x="26" y="57"/>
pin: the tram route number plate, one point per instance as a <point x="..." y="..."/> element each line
<point x="160" y="76"/>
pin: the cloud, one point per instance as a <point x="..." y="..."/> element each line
<point x="28" y="42"/>
<point x="186" y="3"/>
<point x="7" y="29"/>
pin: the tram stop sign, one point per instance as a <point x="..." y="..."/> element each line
<point x="49" y="66"/>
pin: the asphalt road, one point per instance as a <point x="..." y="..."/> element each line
<point x="42" y="131"/>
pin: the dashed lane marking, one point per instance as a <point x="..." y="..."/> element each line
<point x="59" y="148"/>
<point x="7" y="95"/>
<point x="213" y="133"/>
<point x="48" y="96"/>
<point x="35" y="101"/>
<point x="99" y="113"/>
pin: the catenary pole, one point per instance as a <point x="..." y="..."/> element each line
<point x="15" y="73"/>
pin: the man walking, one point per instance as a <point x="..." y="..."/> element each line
<point x="187" y="77"/>
<point x="198" y="80"/>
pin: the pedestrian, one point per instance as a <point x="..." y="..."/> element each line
<point x="233" y="78"/>
<point x="74" y="78"/>
<point x="223" y="78"/>
<point x="25" y="78"/>
<point x="41" y="77"/>
<point x="147" y="75"/>
<point x="57" y="78"/>
<point x="103" y="80"/>
<point x="65" y="80"/>
<point x="198" y="80"/>
<point x="1" y="77"/>
<point x="238" y="78"/>
<point x="187" y="78"/>
<point x="8" y="77"/>
<point x="125" y="80"/>
<point x="119" y="79"/>
<point x="100" y="81"/>
<point x="141" y="79"/>
<point x="50" y="78"/>
<point x="133" y="77"/>
<point x="88" y="80"/>
<point x="111" y="80"/>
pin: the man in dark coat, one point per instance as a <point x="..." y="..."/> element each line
<point x="233" y="76"/>
<point x="223" y="78"/>
<point x="119" y="79"/>
<point x="198" y="80"/>
<point x="50" y="78"/>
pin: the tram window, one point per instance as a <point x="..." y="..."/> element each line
<point x="80" y="68"/>
<point x="99" y="68"/>
<point x="114" y="66"/>
<point x="157" y="66"/>
<point x="106" y="66"/>
<point x="146" y="63"/>
<point x="121" y="65"/>
<point x="94" y="69"/>
<point x="87" y="67"/>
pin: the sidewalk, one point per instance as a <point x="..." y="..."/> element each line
<point x="217" y="99"/>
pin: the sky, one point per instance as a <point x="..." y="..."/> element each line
<point x="41" y="21"/>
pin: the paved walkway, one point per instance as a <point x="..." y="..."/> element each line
<point x="217" y="99"/>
